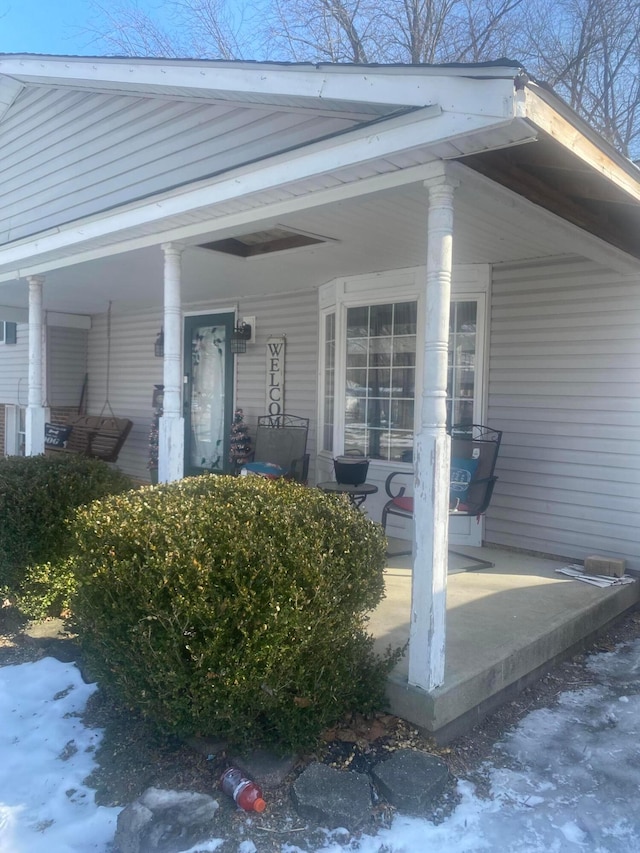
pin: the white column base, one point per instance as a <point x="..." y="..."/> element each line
<point x="35" y="419"/>
<point x="170" y="450"/>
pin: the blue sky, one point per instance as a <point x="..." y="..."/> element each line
<point x="47" y="26"/>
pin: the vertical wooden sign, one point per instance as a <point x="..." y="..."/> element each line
<point x="275" y="375"/>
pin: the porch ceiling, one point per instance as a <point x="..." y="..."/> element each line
<point x="558" y="180"/>
<point x="371" y="233"/>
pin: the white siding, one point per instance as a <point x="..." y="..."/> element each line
<point x="295" y="316"/>
<point x="564" y="385"/>
<point x="135" y="370"/>
<point x="67" y="154"/>
<point x="14" y="369"/>
<point x="66" y="365"/>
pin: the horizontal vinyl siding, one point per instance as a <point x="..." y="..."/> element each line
<point x="67" y="154"/>
<point x="66" y="365"/>
<point x="135" y="370"/>
<point x="14" y="368"/>
<point x="295" y="316"/>
<point x="564" y="386"/>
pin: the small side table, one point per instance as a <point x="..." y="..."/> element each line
<point x="356" y="494"/>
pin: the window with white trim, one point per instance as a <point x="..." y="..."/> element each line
<point x="370" y="357"/>
<point x="15" y="430"/>
<point x="380" y="370"/>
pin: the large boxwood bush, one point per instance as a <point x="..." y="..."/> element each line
<point x="37" y="496"/>
<point x="233" y="607"/>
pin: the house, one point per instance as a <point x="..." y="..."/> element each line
<point x="415" y="244"/>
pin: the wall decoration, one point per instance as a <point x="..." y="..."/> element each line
<point x="275" y="375"/>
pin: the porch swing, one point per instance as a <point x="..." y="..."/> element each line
<point x="98" y="436"/>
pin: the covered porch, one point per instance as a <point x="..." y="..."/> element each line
<point x="430" y="194"/>
<point x="506" y="625"/>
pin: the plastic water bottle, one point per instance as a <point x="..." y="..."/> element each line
<point x="246" y="793"/>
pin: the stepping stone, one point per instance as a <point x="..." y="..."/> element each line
<point x="332" y="798"/>
<point x="411" y="780"/>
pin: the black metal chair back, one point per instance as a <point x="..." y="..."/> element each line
<point x="282" y="440"/>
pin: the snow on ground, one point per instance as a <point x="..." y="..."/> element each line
<point x="566" y="779"/>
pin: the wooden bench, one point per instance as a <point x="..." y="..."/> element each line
<point x="89" y="435"/>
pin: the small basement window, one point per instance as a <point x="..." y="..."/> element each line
<point x="264" y="243"/>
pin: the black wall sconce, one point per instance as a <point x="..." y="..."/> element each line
<point x="241" y="334"/>
<point x="158" y="348"/>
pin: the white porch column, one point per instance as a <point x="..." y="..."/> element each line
<point x="36" y="413"/>
<point x="432" y="451"/>
<point x="171" y="433"/>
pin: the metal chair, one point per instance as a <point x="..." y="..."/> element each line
<point x="280" y="448"/>
<point x="474" y="451"/>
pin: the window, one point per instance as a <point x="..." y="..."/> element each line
<point x="371" y="361"/>
<point x="461" y="380"/>
<point x="15" y="430"/>
<point x="7" y="333"/>
<point x="329" y="381"/>
<point x="380" y="380"/>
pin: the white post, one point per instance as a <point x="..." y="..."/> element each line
<point x="432" y="452"/>
<point x="171" y="433"/>
<point x="36" y="413"/>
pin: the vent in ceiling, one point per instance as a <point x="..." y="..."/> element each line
<point x="260" y="243"/>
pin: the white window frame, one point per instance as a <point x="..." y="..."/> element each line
<point x="471" y="282"/>
<point x="13" y="445"/>
<point x="3" y="333"/>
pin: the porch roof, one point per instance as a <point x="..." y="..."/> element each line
<point x="396" y="121"/>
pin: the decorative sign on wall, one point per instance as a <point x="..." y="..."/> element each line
<point x="275" y="375"/>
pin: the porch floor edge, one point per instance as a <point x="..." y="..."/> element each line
<point x="494" y="652"/>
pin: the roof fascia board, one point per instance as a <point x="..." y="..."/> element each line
<point x="9" y="91"/>
<point x="353" y="84"/>
<point x="570" y="132"/>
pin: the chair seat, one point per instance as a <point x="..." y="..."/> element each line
<point x="404" y="504"/>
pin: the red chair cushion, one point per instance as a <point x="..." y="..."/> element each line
<point x="404" y="503"/>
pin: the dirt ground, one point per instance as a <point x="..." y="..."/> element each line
<point x="133" y="756"/>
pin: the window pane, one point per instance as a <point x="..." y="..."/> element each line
<point x="403" y="382"/>
<point x="404" y="322"/>
<point x="381" y="320"/>
<point x="404" y="351"/>
<point x="402" y="414"/>
<point x="379" y="382"/>
<point x="461" y="385"/>
<point x="355" y="439"/>
<point x="329" y="381"/>
<point x="357" y="322"/>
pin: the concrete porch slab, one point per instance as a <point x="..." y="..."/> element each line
<point x="505" y="626"/>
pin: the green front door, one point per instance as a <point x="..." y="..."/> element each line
<point x="208" y="399"/>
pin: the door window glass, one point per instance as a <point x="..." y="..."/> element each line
<point x="207" y="410"/>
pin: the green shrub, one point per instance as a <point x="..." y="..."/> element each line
<point x="233" y="607"/>
<point x="37" y="496"/>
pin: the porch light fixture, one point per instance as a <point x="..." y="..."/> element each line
<point x="241" y="334"/>
<point x="158" y="348"/>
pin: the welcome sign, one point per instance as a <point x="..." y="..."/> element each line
<point x="275" y="375"/>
